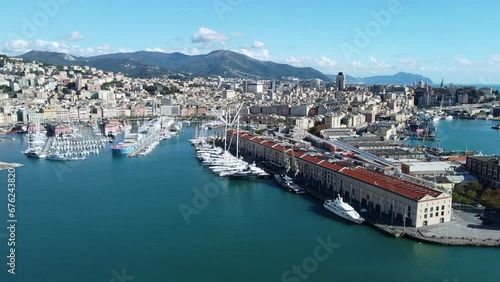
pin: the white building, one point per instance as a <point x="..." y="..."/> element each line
<point x="334" y="120"/>
<point x="255" y="87"/>
<point x="228" y="94"/>
<point x="170" y="110"/>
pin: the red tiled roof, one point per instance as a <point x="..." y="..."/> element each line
<point x="386" y="182"/>
<point x="390" y="183"/>
<point x="457" y="158"/>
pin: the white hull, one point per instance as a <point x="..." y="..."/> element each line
<point x="344" y="216"/>
<point x="344" y="210"/>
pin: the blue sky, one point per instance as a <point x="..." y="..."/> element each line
<point x="455" y="40"/>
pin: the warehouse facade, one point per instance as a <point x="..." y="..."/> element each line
<point x="374" y="191"/>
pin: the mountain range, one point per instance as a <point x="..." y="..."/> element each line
<point x="222" y="63"/>
<point x="401" y="78"/>
<point x="146" y="64"/>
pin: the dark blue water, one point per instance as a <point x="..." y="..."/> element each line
<point x="107" y="217"/>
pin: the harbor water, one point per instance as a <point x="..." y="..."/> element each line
<point x="164" y="217"/>
<point x="471" y="135"/>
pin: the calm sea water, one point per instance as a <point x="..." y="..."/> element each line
<point x="107" y="217"/>
<point x="461" y="135"/>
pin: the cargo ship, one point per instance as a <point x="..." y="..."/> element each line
<point x="129" y="143"/>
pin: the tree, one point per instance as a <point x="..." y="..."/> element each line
<point x="491" y="198"/>
<point x="107" y="85"/>
<point x="471" y="194"/>
<point x="317" y="128"/>
<point x="460" y="199"/>
<point x="459" y="189"/>
<point x="476" y="186"/>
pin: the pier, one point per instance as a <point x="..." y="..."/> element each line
<point x="153" y="132"/>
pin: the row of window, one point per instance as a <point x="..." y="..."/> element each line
<point x="432" y="208"/>
<point x="437" y="214"/>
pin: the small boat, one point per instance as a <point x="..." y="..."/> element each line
<point x="287" y="183"/>
<point x="496" y="126"/>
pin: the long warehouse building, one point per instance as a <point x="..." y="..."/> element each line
<point x="372" y="190"/>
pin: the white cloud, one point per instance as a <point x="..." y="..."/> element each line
<point x="463" y="60"/>
<point x="15" y="46"/>
<point x="90" y="51"/>
<point x="156" y="49"/>
<point x="299" y="61"/>
<point x="261" y="54"/>
<point x="74" y="36"/>
<point x="407" y="61"/>
<point x="357" y="65"/>
<point x="206" y="35"/>
<point x="322" y="63"/>
<point x="379" y="64"/>
<point x="258" y="44"/>
<point x="326" y="62"/>
<point x="125" y="50"/>
<point x="238" y="34"/>
<point x="20" y="46"/>
<point x="187" y="51"/>
<point x="495" y="59"/>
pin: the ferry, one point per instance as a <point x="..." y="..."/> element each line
<point x="128" y="145"/>
<point x="123" y="148"/>
<point x="343" y="209"/>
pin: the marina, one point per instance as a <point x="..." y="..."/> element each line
<point x="67" y="145"/>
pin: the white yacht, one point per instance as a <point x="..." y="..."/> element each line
<point x="343" y="209"/>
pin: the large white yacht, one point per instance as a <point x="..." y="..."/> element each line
<point x="344" y="210"/>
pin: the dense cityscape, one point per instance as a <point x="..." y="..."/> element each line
<point x="365" y="123"/>
<point x="223" y="157"/>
